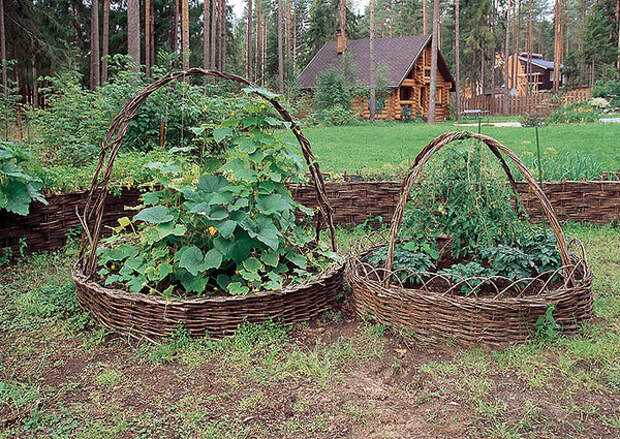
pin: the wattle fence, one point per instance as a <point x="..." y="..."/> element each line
<point x="47" y="227"/>
<point x="542" y="104"/>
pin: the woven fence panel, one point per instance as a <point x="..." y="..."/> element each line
<point x="46" y="227"/>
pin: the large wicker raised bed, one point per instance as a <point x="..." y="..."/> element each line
<point x="501" y="317"/>
<point x="150" y="316"/>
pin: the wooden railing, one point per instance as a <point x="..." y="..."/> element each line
<point x="542" y="103"/>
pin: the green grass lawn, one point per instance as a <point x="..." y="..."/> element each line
<point x="354" y="148"/>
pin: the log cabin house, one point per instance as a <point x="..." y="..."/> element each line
<point x="407" y="64"/>
<point x="540" y="73"/>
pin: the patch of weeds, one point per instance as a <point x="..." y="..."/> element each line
<point x="322" y="363"/>
<point x="439" y="369"/>
<point x="320" y="422"/>
<point x="18" y="396"/>
<point x="251" y="402"/>
<point x="377" y="330"/>
<point x="353" y="410"/>
<point x="331" y="316"/>
<point x="109" y="378"/>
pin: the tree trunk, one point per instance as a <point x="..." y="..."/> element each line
<point x="224" y="45"/>
<point x="248" y="43"/>
<point x="185" y="33"/>
<point x="506" y="55"/>
<point x="5" y="89"/>
<point x="288" y="37"/>
<point x="530" y="44"/>
<point x="133" y="32"/>
<point x="618" y="29"/>
<point x="35" y="84"/>
<point x="294" y="41"/>
<point x="372" y="102"/>
<point x="343" y="25"/>
<point x="264" y="49"/>
<point x="94" y="45"/>
<point x="147" y="37"/>
<point x="219" y="34"/>
<point x="105" y="37"/>
<point x="457" y="57"/>
<point x="206" y="17"/>
<point x="432" y="94"/>
<point x="259" y="43"/>
<point x="152" y="39"/>
<point x="280" y="60"/>
<point x="558" y="43"/>
<point x="213" y="30"/>
<point x="424" y="20"/>
<point x="175" y="29"/>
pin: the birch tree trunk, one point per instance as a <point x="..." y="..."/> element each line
<point x="506" y="55"/>
<point x="95" y="67"/>
<point x="372" y="102"/>
<point x="432" y="94"/>
<point x="133" y="32"/>
<point x="105" y="37"/>
<point x="457" y="57"/>
<point x="280" y="60"/>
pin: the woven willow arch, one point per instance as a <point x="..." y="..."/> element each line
<point x="92" y="216"/>
<point x="497" y="148"/>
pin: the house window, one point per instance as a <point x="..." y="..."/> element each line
<point x="406" y="93"/>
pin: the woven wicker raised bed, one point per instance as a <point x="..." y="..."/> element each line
<point x="505" y="316"/>
<point x="150" y="316"/>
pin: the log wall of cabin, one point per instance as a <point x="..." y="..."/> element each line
<point x="414" y="91"/>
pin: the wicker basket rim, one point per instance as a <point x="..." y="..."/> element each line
<point x="355" y="260"/>
<point x="79" y="277"/>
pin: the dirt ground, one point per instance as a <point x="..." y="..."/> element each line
<point x="335" y="377"/>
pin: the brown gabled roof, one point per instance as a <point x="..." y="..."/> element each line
<point x="397" y="54"/>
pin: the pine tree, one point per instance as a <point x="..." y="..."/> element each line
<point x="185" y="33"/>
<point x="457" y="57"/>
<point x="133" y="31"/>
<point x="94" y="45"/>
<point x="206" y="17"/>
<point x="248" y="43"/>
<point x="147" y="37"/>
<point x="506" y="54"/>
<point x="280" y="57"/>
<point x="432" y="95"/>
<point x="213" y="32"/>
<point x="372" y="102"/>
<point x="105" y="37"/>
<point x="3" y="50"/>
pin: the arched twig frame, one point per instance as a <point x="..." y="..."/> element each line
<point x="497" y="149"/>
<point x="95" y="204"/>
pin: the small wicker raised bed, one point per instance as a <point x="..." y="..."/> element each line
<point x="507" y="315"/>
<point x="151" y="316"/>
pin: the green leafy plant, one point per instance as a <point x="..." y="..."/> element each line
<point x="509" y="262"/>
<point x="407" y="259"/>
<point x="546" y="326"/>
<point x="579" y="112"/>
<point x="233" y="231"/>
<point x="18" y="187"/>
<point x="470" y="272"/>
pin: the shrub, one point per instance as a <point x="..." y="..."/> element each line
<point x="580" y="112"/>
<point x="74" y="122"/>
<point x="334" y="116"/>
<point x="599" y="103"/>
<point x="18" y="187"/>
<point x="608" y="90"/>
<point x="332" y="90"/>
